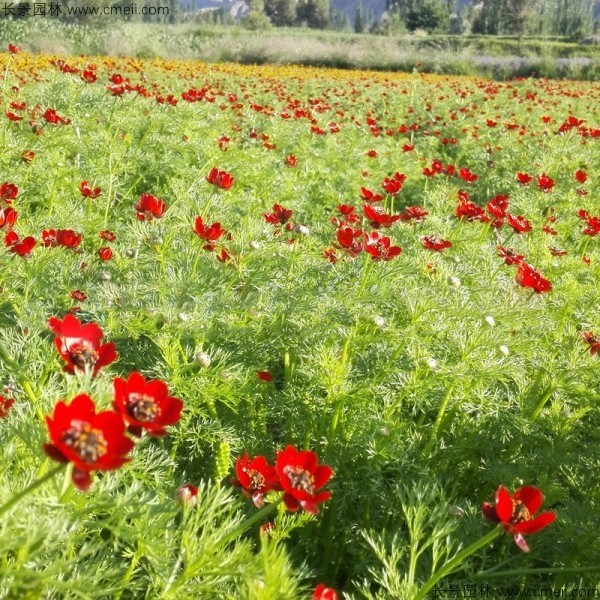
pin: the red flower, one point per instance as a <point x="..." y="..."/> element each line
<point x="519" y="224"/>
<point x="369" y="196"/>
<point x="5" y="405"/>
<point x="527" y="276"/>
<point x="324" y="593"/>
<point x="54" y="118"/>
<point x="149" y="207"/>
<point x="413" y="213"/>
<point x="469" y="210"/>
<point x="432" y="242"/>
<point x="524" y="178"/>
<point x="515" y="513"/>
<point x="91" y="441"/>
<point x="378" y="218"/>
<point x="497" y="207"/>
<point x="221" y="179"/>
<point x="78" y="295"/>
<point x="22" y="247"/>
<point x="592" y="223"/>
<point x="510" y="256"/>
<point x="592" y="340"/>
<point x="264" y="376"/>
<point x="8" y="192"/>
<point x="545" y="183"/>
<point x="210" y="233"/>
<point x="88" y="192"/>
<point x="224" y="256"/>
<point x="79" y="345"/>
<point x="580" y="176"/>
<point x="13" y="117"/>
<point x="107" y="235"/>
<point x="301" y="476"/>
<point x="27" y="156"/>
<point x="372" y="153"/>
<point x="279" y="216"/>
<point x="67" y="238"/>
<point x="466" y="175"/>
<point x="13" y="49"/>
<point x="379" y="246"/>
<point x="291" y="161"/>
<point x="187" y="495"/>
<point x="89" y="76"/>
<point x="392" y="185"/>
<point x="105" y="253"/>
<point x="146" y="405"/>
<point x="8" y="216"/>
<point x="256" y="477"/>
<point x="348" y="239"/>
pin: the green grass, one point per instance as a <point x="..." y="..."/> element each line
<point x="392" y="372"/>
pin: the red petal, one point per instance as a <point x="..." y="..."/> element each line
<point x="520" y="541"/>
<point x="81" y="479"/>
<point x="538" y="523"/>
<point x="54" y="453"/>
<point x="504" y="504"/>
<point x="322" y="475"/>
<point x="489" y="512"/>
<point x="531" y="497"/>
<point x="310" y="507"/>
<point x="290" y="502"/>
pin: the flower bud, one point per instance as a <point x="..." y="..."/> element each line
<point x="301" y="229"/>
<point x="379" y="321"/>
<point x="504" y="349"/>
<point x="187" y="495"/>
<point x="103" y="276"/>
<point x="203" y="359"/>
<point x="255" y="245"/>
<point x="454" y="281"/>
<point x="490" y="320"/>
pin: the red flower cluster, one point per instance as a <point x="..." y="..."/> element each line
<point x="66" y="238"/>
<point x="392" y="185"/>
<point x="592" y="227"/>
<point x="324" y="593"/>
<point x="296" y="473"/>
<point x="516" y="513"/>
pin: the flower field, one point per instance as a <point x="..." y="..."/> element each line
<point x="285" y="333"/>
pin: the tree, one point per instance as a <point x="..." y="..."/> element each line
<point x="313" y="13"/>
<point x="281" y="12"/>
<point x="359" y="19"/>
<point x="429" y="15"/>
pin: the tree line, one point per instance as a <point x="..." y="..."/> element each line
<point x="570" y="18"/>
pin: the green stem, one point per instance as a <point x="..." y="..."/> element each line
<point x="542" y="402"/>
<point x="366" y="269"/>
<point x="457" y="560"/>
<point x="36" y="484"/>
<point x="438" y="421"/>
